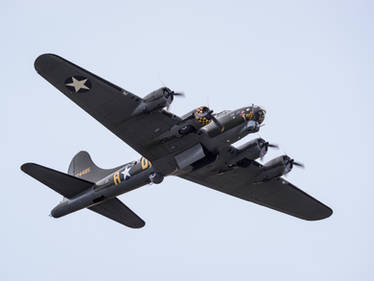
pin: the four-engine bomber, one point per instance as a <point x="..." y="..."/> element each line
<point x="196" y="146"/>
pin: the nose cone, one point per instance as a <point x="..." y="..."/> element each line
<point x="260" y="115"/>
<point x="256" y="113"/>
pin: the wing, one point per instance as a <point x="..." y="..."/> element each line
<point x="119" y="212"/>
<point x="113" y="106"/>
<point x="277" y="194"/>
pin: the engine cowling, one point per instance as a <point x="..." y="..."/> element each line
<point x="158" y="99"/>
<point x="275" y="168"/>
<point x="203" y="115"/>
<point x="253" y="149"/>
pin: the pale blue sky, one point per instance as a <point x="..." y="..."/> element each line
<point x="309" y="63"/>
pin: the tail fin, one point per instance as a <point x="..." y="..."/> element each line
<point x="83" y="167"/>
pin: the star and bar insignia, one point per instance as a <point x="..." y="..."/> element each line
<point x="126" y="173"/>
<point x="78" y="84"/>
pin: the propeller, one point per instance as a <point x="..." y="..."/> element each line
<point x="291" y="163"/>
<point x="298" y="164"/>
<point x="272" y="145"/>
<point x="181" y="94"/>
<point x="171" y="94"/>
<point x="264" y="148"/>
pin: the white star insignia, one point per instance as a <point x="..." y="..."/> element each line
<point x="126" y="173"/>
<point x="78" y="84"/>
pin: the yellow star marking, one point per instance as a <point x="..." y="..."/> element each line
<point x="78" y="84"/>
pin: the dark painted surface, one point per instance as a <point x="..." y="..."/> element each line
<point x="164" y="138"/>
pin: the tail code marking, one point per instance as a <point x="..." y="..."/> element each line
<point x="81" y="173"/>
<point x="145" y="163"/>
<point x="116" y="178"/>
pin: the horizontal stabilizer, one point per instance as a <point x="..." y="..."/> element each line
<point x="119" y="212"/>
<point x="67" y="185"/>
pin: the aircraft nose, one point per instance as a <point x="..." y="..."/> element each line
<point x="260" y="115"/>
<point x="256" y="113"/>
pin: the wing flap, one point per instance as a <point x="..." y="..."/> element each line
<point x="119" y="212"/>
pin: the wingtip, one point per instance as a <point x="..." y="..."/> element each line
<point x="139" y="224"/>
<point x="327" y="212"/>
<point x="42" y="61"/>
<point x="25" y="167"/>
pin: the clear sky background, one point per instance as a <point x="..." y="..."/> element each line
<point x="309" y="63"/>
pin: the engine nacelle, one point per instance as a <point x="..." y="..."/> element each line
<point x="156" y="100"/>
<point x="253" y="149"/>
<point x="275" y="168"/>
<point x="191" y="122"/>
<point x="199" y="117"/>
<point x="202" y="114"/>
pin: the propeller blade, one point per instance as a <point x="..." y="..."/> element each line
<point x="264" y="148"/>
<point x="273" y="145"/>
<point x="298" y="164"/>
<point x="174" y="94"/>
<point x="179" y="94"/>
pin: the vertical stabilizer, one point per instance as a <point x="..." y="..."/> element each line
<point x="83" y="167"/>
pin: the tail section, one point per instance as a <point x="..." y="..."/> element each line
<point x="83" y="167"/>
<point x="83" y="174"/>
